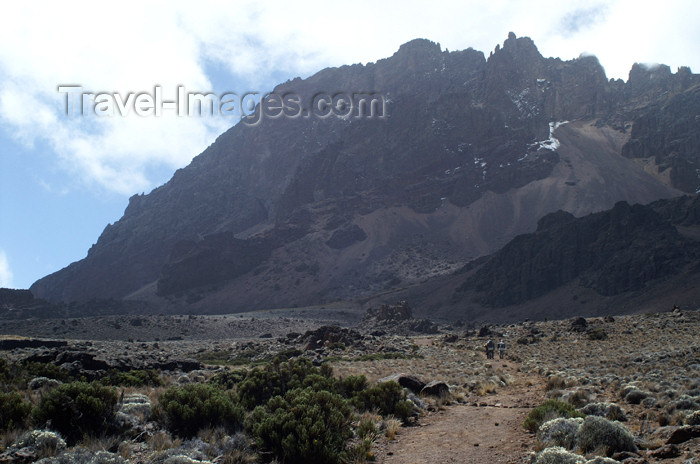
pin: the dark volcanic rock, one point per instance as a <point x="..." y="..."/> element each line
<point x="390" y="313"/>
<point x="579" y="325"/>
<point x="610" y="252"/>
<point x="11" y="344"/>
<point x="669" y="133"/>
<point x="343" y="238"/>
<point x="683" y="434"/>
<point x="407" y="381"/>
<point x="666" y="452"/>
<point x="436" y="388"/>
<point x="423" y="326"/>
<point x="327" y="335"/>
<point x="215" y="259"/>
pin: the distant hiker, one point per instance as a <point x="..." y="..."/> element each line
<point x="501" y="348"/>
<point x="489" y="349"/>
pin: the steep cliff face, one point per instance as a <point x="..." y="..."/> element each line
<point x="467" y="154"/>
<point x="610" y="252"/>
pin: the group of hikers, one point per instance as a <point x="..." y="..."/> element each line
<point x="491" y="349"/>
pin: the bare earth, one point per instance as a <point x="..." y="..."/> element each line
<point x="484" y="430"/>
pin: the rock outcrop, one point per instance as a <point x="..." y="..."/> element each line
<point x="610" y="252"/>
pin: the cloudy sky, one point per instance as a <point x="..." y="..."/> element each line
<point x="64" y="177"/>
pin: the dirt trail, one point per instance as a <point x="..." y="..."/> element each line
<point x="485" y="430"/>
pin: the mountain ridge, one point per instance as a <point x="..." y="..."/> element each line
<point x="467" y="150"/>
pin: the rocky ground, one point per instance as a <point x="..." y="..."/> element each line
<point x="472" y="410"/>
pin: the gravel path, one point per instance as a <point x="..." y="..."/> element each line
<point x="485" y="430"/>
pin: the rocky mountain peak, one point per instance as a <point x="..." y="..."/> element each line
<point x="419" y="49"/>
<point x="468" y="153"/>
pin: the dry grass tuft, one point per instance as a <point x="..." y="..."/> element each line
<point x="391" y="427"/>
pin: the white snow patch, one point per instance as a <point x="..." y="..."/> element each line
<point x="552" y="143"/>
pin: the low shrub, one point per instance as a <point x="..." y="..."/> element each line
<point x="259" y="385"/>
<point x="610" y="411"/>
<point x="134" y="378"/>
<point x="44" y="442"/>
<point x="39" y="383"/>
<point x="320" y="382"/>
<point x="597" y="334"/>
<point x="550" y="409"/>
<point x="262" y="383"/>
<point x="602" y="460"/>
<point x="367" y="428"/>
<point x="558" y="455"/>
<point x="303" y="426"/>
<point x="556" y="382"/>
<point x="579" y="397"/>
<point x="636" y="396"/>
<point x="683" y="403"/>
<point x="227" y="379"/>
<point x="78" y="409"/>
<point x="389" y="398"/>
<point x="14" y="376"/>
<point x="186" y="410"/>
<point x="352" y="385"/>
<point x="14" y="411"/>
<point x="559" y="432"/>
<point x="52" y="371"/>
<point x="84" y="456"/>
<point x="597" y="433"/>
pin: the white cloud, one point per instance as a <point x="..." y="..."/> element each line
<point x="141" y="44"/>
<point x="5" y="272"/>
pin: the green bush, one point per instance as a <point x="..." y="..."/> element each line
<point x="597" y="433"/>
<point x="14" y="411"/>
<point x="186" y="410"/>
<point x="389" y="398"/>
<point x="227" y="379"/>
<point x="37" y="369"/>
<point x="597" y="334"/>
<point x="134" y="378"/>
<point x="16" y="376"/>
<point x="262" y="383"/>
<point x="304" y="426"/>
<point x="550" y="409"/>
<point x="352" y="385"/>
<point x="78" y="409"/>
<point x="258" y="387"/>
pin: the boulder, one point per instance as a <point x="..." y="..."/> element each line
<point x="683" y="434"/>
<point x="423" y="326"/>
<point x="330" y="334"/>
<point x="485" y="331"/>
<point x="666" y="452"/>
<point x="436" y="388"/>
<point x="406" y="381"/>
<point x="578" y="325"/>
<point x="385" y="313"/>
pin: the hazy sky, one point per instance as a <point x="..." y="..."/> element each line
<point x="63" y="179"/>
